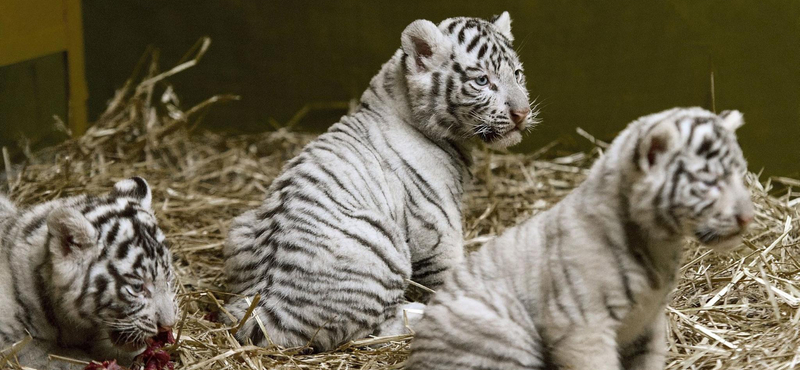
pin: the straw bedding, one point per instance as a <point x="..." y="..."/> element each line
<point x="737" y="311"/>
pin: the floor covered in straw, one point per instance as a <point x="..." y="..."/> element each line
<point x="737" y="311"/>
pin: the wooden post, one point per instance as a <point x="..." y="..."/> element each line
<point x="34" y="28"/>
<point x="78" y="94"/>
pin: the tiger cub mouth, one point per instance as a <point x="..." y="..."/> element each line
<point x="502" y="139"/>
<point x="127" y="341"/>
<point x="719" y="241"/>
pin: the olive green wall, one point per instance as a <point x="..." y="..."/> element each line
<point x="593" y="64"/>
<point x="31" y="93"/>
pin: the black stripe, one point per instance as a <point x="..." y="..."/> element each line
<point x="452" y="26"/>
<point x="473" y="43"/>
<point x="435" y="86"/>
<point x="123" y="248"/>
<point x="428" y="193"/>
<point x="43" y="276"/>
<point x="34" y="225"/>
<point x="84" y="291"/>
<point x="482" y="51"/>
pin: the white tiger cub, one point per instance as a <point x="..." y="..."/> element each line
<point x="584" y="284"/>
<point x="85" y="276"/>
<point x="376" y="200"/>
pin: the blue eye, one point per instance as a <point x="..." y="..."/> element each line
<point x="482" y="80"/>
<point x="137" y="287"/>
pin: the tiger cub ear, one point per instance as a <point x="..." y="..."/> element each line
<point x="71" y="230"/>
<point x="502" y="23"/>
<point x="134" y="188"/>
<point x="659" y="141"/>
<point x="731" y="119"/>
<point x="426" y="44"/>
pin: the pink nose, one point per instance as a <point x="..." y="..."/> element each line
<point x="519" y="115"/>
<point x="744" y="219"/>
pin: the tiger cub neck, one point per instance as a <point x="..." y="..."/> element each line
<point x="387" y="91"/>
<point x="607" y="196"/>
<point x="387" y="96"/>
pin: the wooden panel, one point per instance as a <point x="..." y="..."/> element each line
<point x="78" y="93"/>
<point x="31" y="93"/>
<point x="31" y="29"/>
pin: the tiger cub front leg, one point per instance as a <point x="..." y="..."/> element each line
<point x="431" y="268"/>
<point x="587" y="347"/>
<point x="649" y="351"/>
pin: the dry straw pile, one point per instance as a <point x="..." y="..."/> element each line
<point x="740" y="311"/>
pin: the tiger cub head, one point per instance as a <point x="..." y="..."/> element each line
<point x="692" y="175"/>
<point x="465" y="80"/>
<point x="111" y="267"/>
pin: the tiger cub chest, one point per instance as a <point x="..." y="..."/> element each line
<point x="428" y="185"/>
<point x="432" y="209"/>
<point x="648" y="308"/>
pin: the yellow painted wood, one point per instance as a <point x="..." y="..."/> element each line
<point x="31" y="29"/>
<point x="78" y="93"/>
<point x="34" y="28"/>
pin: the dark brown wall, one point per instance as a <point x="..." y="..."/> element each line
<point x="596" y="65"/>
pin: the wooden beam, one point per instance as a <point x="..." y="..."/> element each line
<point x="78" y="92"/>
<point x="30" y="29"/>
<point x="34" y="28"/>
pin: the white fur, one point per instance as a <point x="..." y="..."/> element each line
<point x="503" y="25"/>
<point x="594" y="272"/>
<point x="732" y="119"/>
<point x="424" y="34"/>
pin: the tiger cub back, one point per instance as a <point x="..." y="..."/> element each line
<point x="85" y="272"/>
<point x="376" y="200"/>
<point x="584" y="284"/>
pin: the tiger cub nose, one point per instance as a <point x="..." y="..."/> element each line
<point x="744" y="219"/>
<point x="519" y="115"/>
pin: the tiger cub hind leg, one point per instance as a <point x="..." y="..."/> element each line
<point x="321" y="292"/>
<point x="404" y="318"/>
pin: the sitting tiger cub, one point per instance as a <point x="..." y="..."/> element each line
<point x="584" y="284"/>
<point x="376" y="200"/>
<point x="87" y="277"/>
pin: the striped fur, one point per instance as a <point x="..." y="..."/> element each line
<point x="84" y="273"/>
<point x="584" y="284"/>
<point x="376" y="200"/>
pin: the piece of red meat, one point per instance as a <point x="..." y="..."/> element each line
<point x="105" y="365"/>
<point x="153" y="358"/>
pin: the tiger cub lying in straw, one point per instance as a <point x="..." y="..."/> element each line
<point x="376" y="200"/>
<point x="584" y="284"/>
<point x="88" y="277"/>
